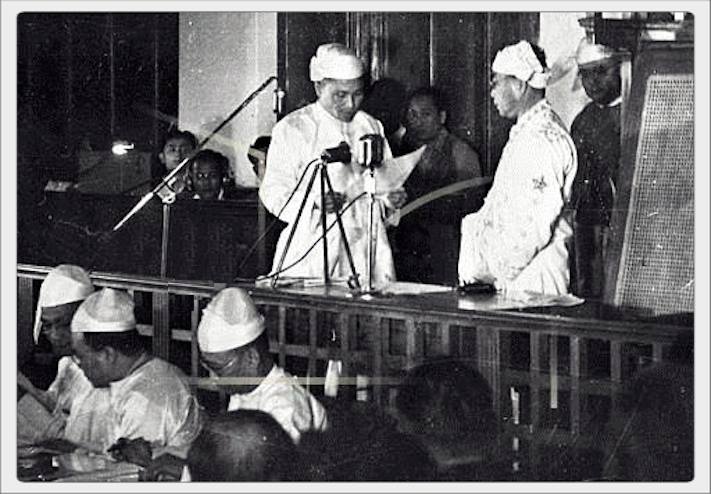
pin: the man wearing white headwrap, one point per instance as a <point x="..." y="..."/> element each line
<point x="301" y="137"/>
<point x="78" y="409"/>
<point x="517" y="240"/>
<point x="596" y="133"/>
<point x="234" y="344"/>
<point x="152" y="416"/>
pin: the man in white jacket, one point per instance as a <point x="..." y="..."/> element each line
<point x="300" y="138"/>
<point x="152" y="411"/>
<point x="517" y="240"/>
<point x="78" y="409"/>
<point x="234" y="346"/>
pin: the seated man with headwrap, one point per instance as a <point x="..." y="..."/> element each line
<point x="299" y="139"/>
<point x="152" y="410"/>
<point x="234" y="344"/>
<point x="78" y="410"/>
<point x="517" y="240"/>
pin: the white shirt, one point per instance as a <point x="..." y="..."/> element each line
<point x="518" y="237"/>
<point x="280" y="396"/>
<point x="154" y="402"/>
<point x="84" y="406"/>
<point x="298" y="139"/>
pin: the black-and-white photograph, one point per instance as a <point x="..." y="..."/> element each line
<point x="349" y="246"/>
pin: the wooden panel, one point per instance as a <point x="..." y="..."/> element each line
<point x="25" y="319"/>
<point x="161" y="327"/>
<point x="459" y="71"/>
<point x="299" y="34"/>
<point x="209" y="240"/>
<point x="407" y="39"/>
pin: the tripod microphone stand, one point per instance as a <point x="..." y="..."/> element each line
<point x="338" y="154"/>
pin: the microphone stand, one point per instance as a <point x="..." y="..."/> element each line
<point x="322" y="171"/>
<point x="373" y="157"/>
<point x="170" y="180"/>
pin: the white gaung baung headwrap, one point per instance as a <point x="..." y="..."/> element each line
<point x="335" y="61"/>
<point x="106" y="311"/>
<point x="230" y="320"/>
<point x="590" y="54"/>
<point x="63" y="285"/>
<point x="521" y="62"/>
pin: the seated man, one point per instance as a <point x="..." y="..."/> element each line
<point x="206" y="175"/>
<point x="361" y="444"/>
<point x="78" y="409"/>
<point x="233" y="343"/>
<point x="243" y="445"/>
<point x="177" y="145"/>
<point x="152" y="409"/>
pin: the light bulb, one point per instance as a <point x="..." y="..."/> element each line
<point x="120" y="148"/>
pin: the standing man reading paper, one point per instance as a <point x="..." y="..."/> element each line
<point x="517" y="240"/>
<point x="300" y="138"/>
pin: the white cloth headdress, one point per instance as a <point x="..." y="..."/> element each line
<point x="335" y="61"/>
<point x="229" y="321"/>
<point x="521" y="62"/>
<point x="106" y="311"/>
<point x="589" y="54"/>
<point x="63" y="285"/>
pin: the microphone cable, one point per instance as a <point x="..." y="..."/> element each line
<point x="273" y="224"/>
<point x="319" y="239"/>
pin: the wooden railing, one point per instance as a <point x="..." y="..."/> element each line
<point x="545" y="356"/>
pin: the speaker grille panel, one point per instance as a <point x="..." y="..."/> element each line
<point x="657" y="264"/>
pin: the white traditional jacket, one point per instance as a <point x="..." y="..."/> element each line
<point x="518" y="238"/>
<point x="155" y="402"/>
<point x="290" y="404"/>
<point x="298" y="139"/>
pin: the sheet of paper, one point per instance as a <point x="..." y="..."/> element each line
<point x="390" y="176"/>
<point x="409" y="288"/>
<point x="35" y="423"/>
<point x="394" y="172"/>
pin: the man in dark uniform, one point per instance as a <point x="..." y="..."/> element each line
<point x="596" y="134"/>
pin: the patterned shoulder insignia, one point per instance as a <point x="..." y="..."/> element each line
<point x="540" y="183"/>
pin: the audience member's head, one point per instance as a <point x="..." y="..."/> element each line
<point x="208" y="170"/>
<point x="446" y="398"/>
<point x="243" y="445"/>
<point x="655" y="429"/>
<point x="519" y="78"/>
<point x="176" y="146"/>
<point x="257" y="154"/>
<point x="233" y="341"/>
<point x="337" y="74"/>
<point x="105" y="341"/>
<point x="599" y="70"/>
<point x="425" y="115"/>
<point x="362" y="444"/>
<point x="61" y="293"/>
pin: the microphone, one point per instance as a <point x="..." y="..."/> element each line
<point x="372" y="150"/>
<point x="341" y="153"/>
